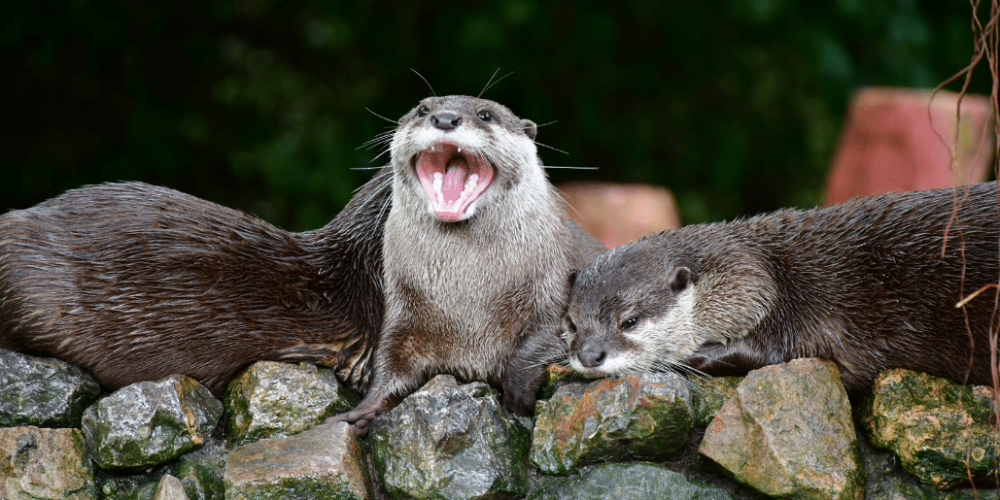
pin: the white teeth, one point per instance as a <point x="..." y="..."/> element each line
<point x="459" y="150"/>
<point x="438" y="182"/>
<point x="440" y="203"/>
<point x="470" y="184"/>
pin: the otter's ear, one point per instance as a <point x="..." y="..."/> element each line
<point x="529" y="128"/>
<point x="680" y="278"/>
<point x="572" y="277"/>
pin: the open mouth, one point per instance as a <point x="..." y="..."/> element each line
<point x="452" y="179"/>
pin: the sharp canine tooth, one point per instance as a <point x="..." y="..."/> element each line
<point x="459" y="150"/>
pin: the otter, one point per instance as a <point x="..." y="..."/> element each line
<point x="875" y="283"/>
<point x="137" y="282"/>
<point x="477" y="252"/>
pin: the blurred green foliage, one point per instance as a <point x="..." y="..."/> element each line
<point x="736" y="105"/>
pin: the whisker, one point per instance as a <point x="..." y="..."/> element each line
<point x="568" y="204"/>
<point x="488" y="85"/>
<point x="384" y="144"/>
<point x="383" y="139"/>
<point x="681" y="367"/>
<point x="377" y="176"/>
<point x="561" y="361"/>
<point x="541" y="125"/>
<point x="717" y="360"/>
<point x="380" y="154"/>
<point x="551" y="147"/>
<point x="382" y="117"/>
<point x="382" y="135"/>
<point x="386" y="204"/>
<point x="571" y="168"/>
<point x="425" y="81"/>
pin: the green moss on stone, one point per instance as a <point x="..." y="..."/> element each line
<point x="43" y="392"/>
<point x="451" y="442"/>
<point x="150" y="423"/>
<point x="939" y="429"/>
<point x="787" y="432"/>
<point x="556" y="376"/>
<point x="636" y="416"/>
<point x="43" y="464"/>
<point x="708" y="394"/>
<point x="636" y="481"/>
<point x="272" y="400"/>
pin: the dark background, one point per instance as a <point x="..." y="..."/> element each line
<point x="736" y="105"/>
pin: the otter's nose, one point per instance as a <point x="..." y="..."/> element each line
<point x="446" y="120"/>
<point x="592" y="355"/>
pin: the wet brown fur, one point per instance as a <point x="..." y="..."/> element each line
<point x="137" y="282"/>
<point x="863" y="283"/>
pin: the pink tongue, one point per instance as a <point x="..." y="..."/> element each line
<point x="454" y="182"/>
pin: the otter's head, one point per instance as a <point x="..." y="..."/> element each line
<point x="453" y="150"/>
<point x="631" y="310"/>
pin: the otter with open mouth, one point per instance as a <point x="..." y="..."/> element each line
<point x="476" y="254"/>
<point x="136" y="282"/>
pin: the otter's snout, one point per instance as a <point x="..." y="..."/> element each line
<point x="592" y="354"/>
<point x="446" y="120"/>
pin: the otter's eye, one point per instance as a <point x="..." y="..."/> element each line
<point x="485" y="116"/>
<point x="570" y="326"/>
<point x="423" y="111"/>
<point x="629" y="324"/>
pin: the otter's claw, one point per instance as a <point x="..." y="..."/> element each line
<point x="359" y="419"/>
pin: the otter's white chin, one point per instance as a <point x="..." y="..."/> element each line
<point x="611" y="367"/>
<point x="586" y="372"/>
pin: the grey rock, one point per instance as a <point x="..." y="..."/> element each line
<point x="708" y="394"/>
<point x="638" y="481"/>
<point x="199" y="471"/>
<point x="326" y="462"/>
<point x="272" y="400"/>
<point x="885" y="479"/>
<point x="644" y="416"/>
<point x="138" y="486"/>
<point x="939" y="429"/>
<point x="149" y="423"/>
<point x="40" y="464"/>
<point x="170" y="488"/>
<point x="451" y="442"/>
<point x="787" y="431"/>
<point x="43" y="392"/>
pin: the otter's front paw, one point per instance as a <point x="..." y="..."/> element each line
<point x="359" y="419"/>
<point x="718" y="360"/>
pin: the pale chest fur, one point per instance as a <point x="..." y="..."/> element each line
<point x="476" y="286"/>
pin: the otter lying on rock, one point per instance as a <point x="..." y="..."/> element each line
<point x="137" y="282"/>
<point x="871" y="284"/>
